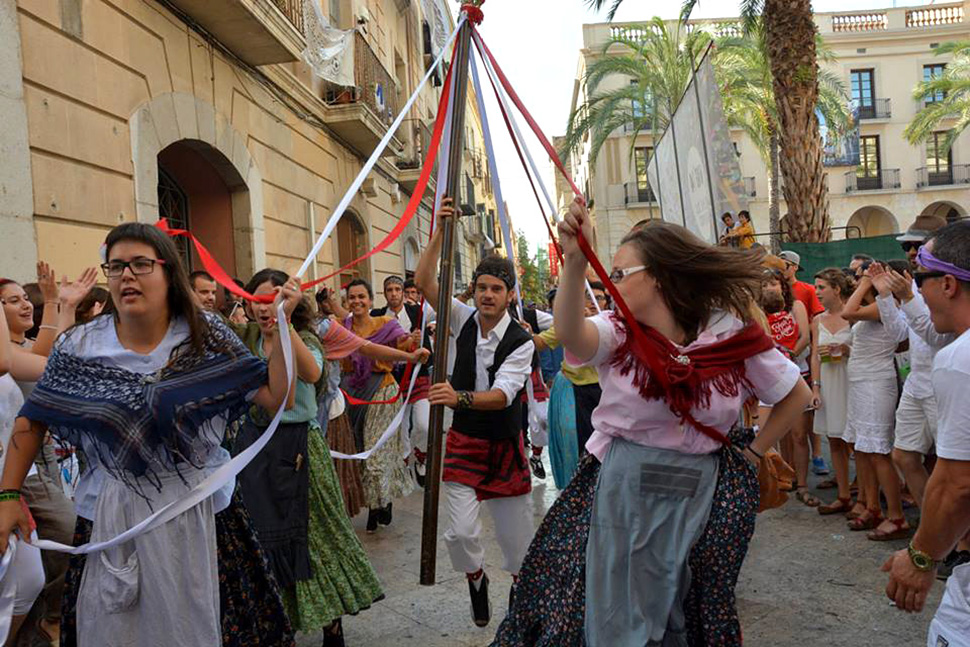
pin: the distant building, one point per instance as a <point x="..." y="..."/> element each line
<point x="882" y="54"/>
<point x="205" y="113"/>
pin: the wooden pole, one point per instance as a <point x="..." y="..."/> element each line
<point x="429" y="525"/>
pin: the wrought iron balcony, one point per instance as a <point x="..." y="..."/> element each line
<point x="361" y="114"/>
<point x="879" y="109"/>
<point x="636" y="194"/>
<point x="954" y="175"/>
<point x="886" y="178"/>
<point x="259" y="32"/>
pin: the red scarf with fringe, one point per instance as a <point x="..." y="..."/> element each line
<point x="685" y="379"/>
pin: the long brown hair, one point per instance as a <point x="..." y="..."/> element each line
<point x="695" y="277"/>
<point x="837" y="280"/>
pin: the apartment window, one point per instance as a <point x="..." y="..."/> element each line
<point x="939" y="165"/>
<point x="641" y="156"/>
<point x="931" y="72"/>
<point x="639" y="104"/>
<point x="864" y="92"/>
<point x="867" y="174"/>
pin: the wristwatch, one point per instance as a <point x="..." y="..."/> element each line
<point x="465" y="400"/>
<point x="922" y="561"/>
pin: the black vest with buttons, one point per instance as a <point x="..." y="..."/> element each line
<point x="491" y="425"/>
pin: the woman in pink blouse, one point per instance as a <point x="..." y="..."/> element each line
<point x="646" y="543"/>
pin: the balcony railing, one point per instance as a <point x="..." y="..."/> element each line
<point x="636" y="194"/>
<point x="259" y="32"/>
<point x="934" y="16"/>
<point x="361" y="114"/>
<point x="956" y="174"/>
<point x="887" y="178"/>
<point x="750" y="189"/>
<point x="879" y="109"/>
<point x="855" y="22"/>
<point x="293" y="10"/>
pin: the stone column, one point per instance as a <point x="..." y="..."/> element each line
<point x="18" y="249"/>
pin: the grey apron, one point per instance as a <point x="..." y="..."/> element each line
<point x="650" y="506"/>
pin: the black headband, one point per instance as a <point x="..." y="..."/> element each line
<point x="502" y="274"/>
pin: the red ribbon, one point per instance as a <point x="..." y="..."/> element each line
<point x="641" y="343"/>
<point x="518" y="149"/>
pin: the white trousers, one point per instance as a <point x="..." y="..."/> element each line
<point x="25" y="579"/>
<point x="942" y="636"/>
<point x="420" y="416"/>
<point x="513" y="528"/>
<point x="539" y="424"/>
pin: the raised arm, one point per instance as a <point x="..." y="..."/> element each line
<point x="426" y="274"/>
<point x="271" y="395"/>
<point x="578" y="335"/>
<point x="854" y="310"/>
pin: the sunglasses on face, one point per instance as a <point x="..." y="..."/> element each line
<point x="919" y="277"/>
<point x="910" y="246"/>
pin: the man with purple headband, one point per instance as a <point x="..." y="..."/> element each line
<point x="943" y="277"/>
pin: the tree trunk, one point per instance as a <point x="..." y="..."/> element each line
<point x="790" y="36"/>
<point x="774" y="179"/>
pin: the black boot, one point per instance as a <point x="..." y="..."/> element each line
<point x="333" y="636"/>
<point x="373" y="516"/>
<point x="385" y="515"/>
<point x="481" y="605"/>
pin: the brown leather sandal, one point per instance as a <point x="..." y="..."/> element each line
<point x="840" y="505"/>
<point x="899" y="533"/>
<point x="866" y="521"/>
<point x="827" y="484"/>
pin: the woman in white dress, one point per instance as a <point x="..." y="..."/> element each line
<point x="831" y="344"/>
<point x="146" y="392"/>
<point x="871" y="418"/>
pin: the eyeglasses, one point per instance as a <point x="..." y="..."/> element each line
<point x="138" y="267"/>
<point x="919" y="277"/>
<point x="910" y="246"/>
<point x="618" y="275"/>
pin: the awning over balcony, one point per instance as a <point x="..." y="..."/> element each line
<point x="259" y="32"/>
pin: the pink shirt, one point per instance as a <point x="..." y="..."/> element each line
<point x="623" y="413"/>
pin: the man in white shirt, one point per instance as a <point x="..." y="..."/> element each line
<point x="484" y="452"/>
<point x="944" y="282"/>
<point x="916" y="414"/>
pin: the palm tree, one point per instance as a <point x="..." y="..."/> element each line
<point x="659" y="58"/>
<point x="952" y="93"/>
<point x="790" y="36"/>
<point x="747" y="89"/>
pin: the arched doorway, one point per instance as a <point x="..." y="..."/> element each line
<point x="945" y="209"/>
<point x="873" y="221"/>
<point x="351" y="244"/>
<point x="193" y="194"/>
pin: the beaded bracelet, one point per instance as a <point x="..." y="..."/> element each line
<point x="9" y="495"/>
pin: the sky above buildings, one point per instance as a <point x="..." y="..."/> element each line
<point x="537" y="43"/>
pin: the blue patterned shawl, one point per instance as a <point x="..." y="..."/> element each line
<point x="142" y="424"/>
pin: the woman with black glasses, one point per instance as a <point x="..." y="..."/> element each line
<point x="147" y="392"/>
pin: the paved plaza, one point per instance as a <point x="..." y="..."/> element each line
<point x="807" y="581"/>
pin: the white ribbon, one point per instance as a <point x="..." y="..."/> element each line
<point x="517" y="134"/>
<point x="230" y="470"/>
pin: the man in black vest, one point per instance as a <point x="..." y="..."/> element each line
<point x="484" y="453"/>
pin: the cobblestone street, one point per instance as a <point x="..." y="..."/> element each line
<point x="807" y="581"/>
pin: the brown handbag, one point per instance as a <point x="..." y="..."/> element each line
<point x="774" y="476"/>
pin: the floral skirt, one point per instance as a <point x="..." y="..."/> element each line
<point x="343" y="582"/>
<point x="385" y="475"/>
<point x="340" y="438"/>
<point x="550" y="597"/>
<point x="250" y="603"/>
